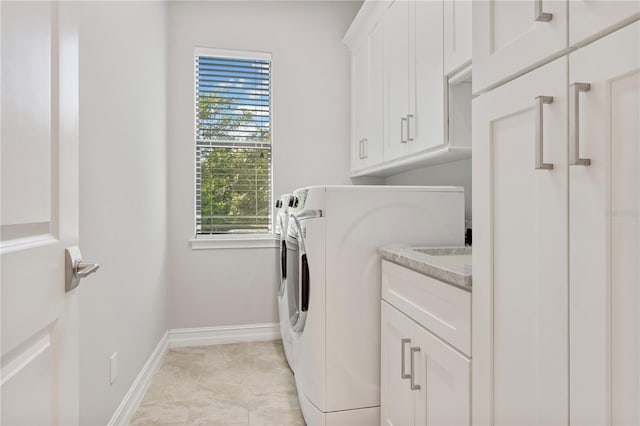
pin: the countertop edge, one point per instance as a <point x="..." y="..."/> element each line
<point x="398" y="255"/>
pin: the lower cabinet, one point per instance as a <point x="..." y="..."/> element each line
<point x="424" y="381"/>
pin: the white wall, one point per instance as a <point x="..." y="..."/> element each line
<point x="122" y="195"/>
<point x="457" y="173"/>
<point x="310" y="133"/>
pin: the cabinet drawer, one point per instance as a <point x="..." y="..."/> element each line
<point x="442" y="308"/>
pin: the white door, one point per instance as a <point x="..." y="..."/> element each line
<point x="396" y="53"/>
<point x="510" y="36"/>
<point x="520" y="262"/>
<point x="39" y="384"/>
<point x="605" y="230"/>
<point x="444" y="377"/>
<point x="589" y="18"/>
<point x="396" y="396"/>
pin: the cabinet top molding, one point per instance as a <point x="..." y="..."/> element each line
<point x="369" y="14"/>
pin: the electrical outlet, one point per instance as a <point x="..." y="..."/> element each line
<point x="113" y="367"/>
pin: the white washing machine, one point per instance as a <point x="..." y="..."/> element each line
<point x="282" y="223"/>
<point x="335" y="316"/>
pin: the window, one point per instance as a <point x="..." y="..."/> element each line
<point x="233" y="142"/>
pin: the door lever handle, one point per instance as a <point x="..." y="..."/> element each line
<point x="75" y="268"/>
<point x="84" y="269"/>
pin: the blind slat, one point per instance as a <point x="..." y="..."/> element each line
<point x="216" y="97"/>
<point x="226" y="82"/>
<point x="242" y="65"/>
<point x="223" y="84"/>
<point x="227" y="112"/>
<point x="233" y="74"/>
<point x="216" y="87"/>
<point x="208" y="61"/>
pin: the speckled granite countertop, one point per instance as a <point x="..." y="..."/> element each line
<point x="449" y="264"/>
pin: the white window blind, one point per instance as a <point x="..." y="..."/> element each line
<point x="233" y="144"/>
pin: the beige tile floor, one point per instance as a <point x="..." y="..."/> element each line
<point x="235" y="384"/>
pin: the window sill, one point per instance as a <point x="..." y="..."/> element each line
<point x="235" y="242"/>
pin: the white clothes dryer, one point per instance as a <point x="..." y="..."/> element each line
<point x="336" y="289"/>
<point x="281" y="226"/>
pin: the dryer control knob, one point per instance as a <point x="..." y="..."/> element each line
<point x="278" y="204"/>
<point x="293" y="201"/>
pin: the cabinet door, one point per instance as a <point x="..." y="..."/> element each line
<point x="605" y="230"/>
<point x="444" y="377"/>
<point x="507" y="38"/>
<point x="396" y="51"/>
<point x="373" y="145"/>
<point x="589" y="18"/>
<point x="360" y="103"/>
<point x="426" y="115"/>
<point x="457" y="34"/>
<point x="396" y="397"/>
<point x="520" y="262"/>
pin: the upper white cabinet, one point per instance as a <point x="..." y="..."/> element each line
<point x="604" y="229"/>
<point x="360" y="98"/>
<point x="375" y="139"/>
<point x="511" y="36"/>
<point x="397" y="77"/>
<point x="520" y="256"/>
<point x="367" y="91"/>
<point x="400" y="117"/>
<point x="367" y="106"/>
<point x="413" y="77"/>
<point x="427" y="114"/>
<point x="592" y="18"/>
<point x="457" y="34"/>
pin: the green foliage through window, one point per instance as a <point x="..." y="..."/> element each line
<point x="234" y="189"/>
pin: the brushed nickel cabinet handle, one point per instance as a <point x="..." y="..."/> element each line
<point x="574" y="124"/>
<point x="403" y="375"/>
<point x="365" y="148"/>
<point x="409" y="133"/>
<point x="403" y="121"/>
<point x="540" y="14"/>
<point x="413" y="371"/>
<point x="539" y="149"/>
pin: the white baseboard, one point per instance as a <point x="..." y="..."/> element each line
<point x="204" y="336"/>
<point x="132" y="399"/>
